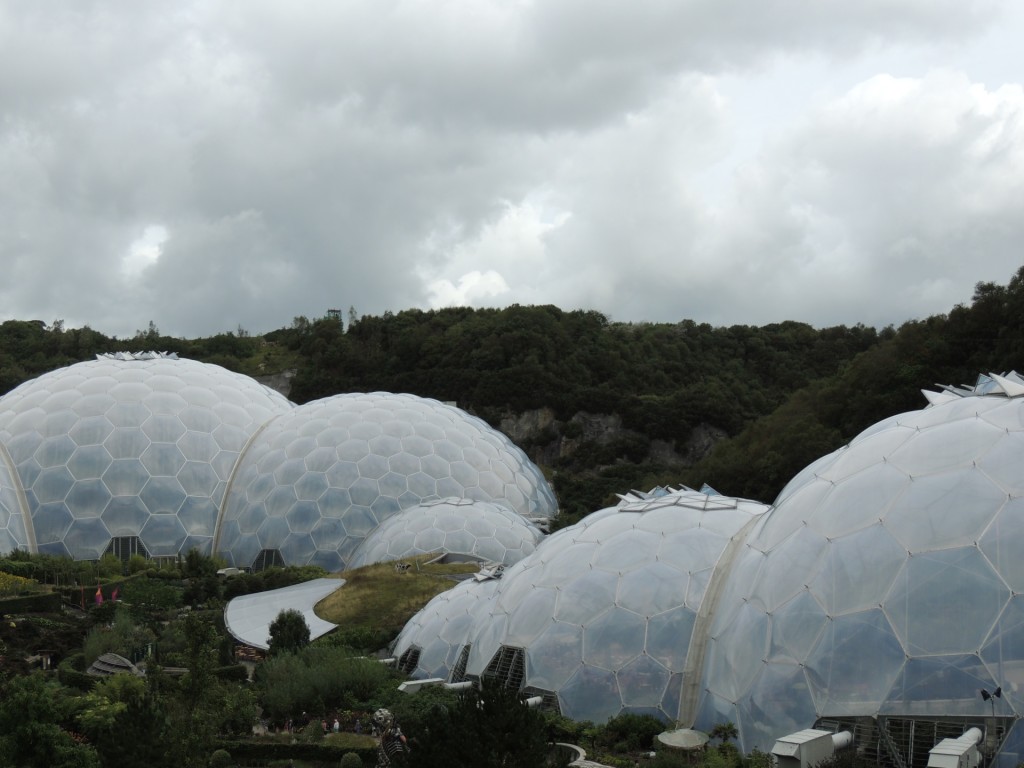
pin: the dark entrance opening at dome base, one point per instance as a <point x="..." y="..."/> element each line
<point x="458" y="674"/>
<point x="124" y="547"/>
<point x="507" y="667"/>
<point x="408" y="660"/>
<point x="267" y="558"/>
<point x="905" y="742"/>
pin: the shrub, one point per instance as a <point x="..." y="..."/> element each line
<point x="221" y="758"/>
<point x="351" y="760"/>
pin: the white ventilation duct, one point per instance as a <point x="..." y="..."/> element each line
<point x="961" y="752"/>
<point x="807" y="748"/>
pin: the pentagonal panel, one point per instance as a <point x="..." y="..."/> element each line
<point x="642" y="683"/>
<point x="858" y="570"/>
<point x="946" y="601"/>
<point x="923" y="514"/>
<point x="590" y="694"/>
<point x="614" y="638"/>
<point x="845" y="679"/>
<point x="1003" y="543"/>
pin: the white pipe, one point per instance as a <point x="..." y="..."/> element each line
<point x="842" y="739"/>
<point x="534" y="701"/>
<point x="971" y="736"/>
<point x="463" y="686"/>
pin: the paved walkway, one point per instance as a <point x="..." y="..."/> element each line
<point x="581" y="760"/>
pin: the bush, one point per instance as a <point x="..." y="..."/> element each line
<point x="351" y="760"/>
<point x="72" y="678"/>
<point x="629" y="732"/>
<point x="46" y="603"/>
<point x="236" y="672"/>
<point x="221" y="758"/>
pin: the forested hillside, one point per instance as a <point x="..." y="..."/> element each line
<point x="605" y="407"/>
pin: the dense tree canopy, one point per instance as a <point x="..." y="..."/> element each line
<point x="781" y="394"/>
<point x="288" y="633"/>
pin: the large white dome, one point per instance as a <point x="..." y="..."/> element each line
<point x="604" y="616"/>
<point x="151" y="454"/>
<point x="125" y="446"/>
<point x="482" y="530"/>
<point x="317" y="480"/>
<point x="886" y="580"/>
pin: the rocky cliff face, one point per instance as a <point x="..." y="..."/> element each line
<point x="279" y="382"/>
<point x="547" y="439"/>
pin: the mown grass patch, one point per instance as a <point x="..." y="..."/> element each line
<point x="381" y="597"/>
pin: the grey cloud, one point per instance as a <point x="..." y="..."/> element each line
<point x="352" y="153"/>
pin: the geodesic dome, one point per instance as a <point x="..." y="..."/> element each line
<point x="604" y="616"/>
<point x="12" y="522"/>
<point x="139" y="447"/>
<point x="481" y="530"/>
<point x="886" y="580"/>
<point x="433" y="642"/>
<point x="317" y="480"/>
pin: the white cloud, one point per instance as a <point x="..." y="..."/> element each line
<point x="474" y="288"/>
<point x="144" y="252"/>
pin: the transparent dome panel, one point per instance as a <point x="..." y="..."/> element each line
<point x="946" y="601"/>
<point x="629" y="551"/>
<point x="586" y="597"/>
<point x="1003" y="652"/>
<point x="198" y="515"/>
<point x="126" y="443"/>
<point x="530" y="616"/>
<point x="668" y="637"/>
<point x="89" y="462"/>
<point x="691" y="550"/>
<point x="125" y="477"/>
<point x="54" y="451"/>
<point x="858" y="571"/>
<point x="1001" y="463"/>
<point x="778" y="702"/>
<point x="328" y="533"/>
<point x="869" y="450"/>
<point x="163" y="428"/>
<point x="614" y="638"/>
<point x="788" y="517"/>
<point x="163" y="459"/>
<point x="125" y="516"/>
<point x="946" y="446"/>
<point x="163" y="535"/>
<point x="796" y="627"/>
<point x="642" y="682"/>
<point x="858" y="502"/>
<point x="53" y="484"/>
<point x="939" y="686"/>
<point x="87" y="498"/>
<point x="786" y="568"/>
<point x="652" y="589"/>
<point x="736" y="653"/>
<point x="1004" y="541"/>
<point x="590" y="694"/>
<point x="855" y="664"/>
<point x="947" y="510"/>
<point x="272" y="532"/>
<point x="87" y="539"/>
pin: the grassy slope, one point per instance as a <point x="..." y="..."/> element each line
<point x="380" y="597"/>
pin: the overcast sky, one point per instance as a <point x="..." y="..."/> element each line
<point x="214" y="165"/>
